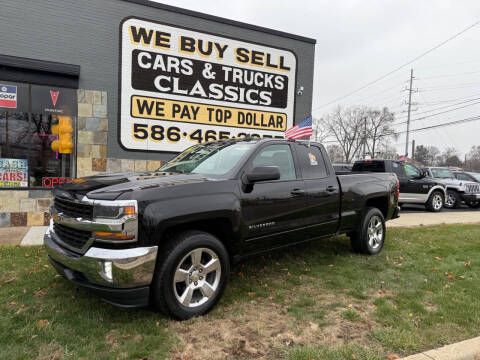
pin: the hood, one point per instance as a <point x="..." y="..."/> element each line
<point x="110" y="186"/>
<point x="450" y="181"/>
<point x="455" y="183"/>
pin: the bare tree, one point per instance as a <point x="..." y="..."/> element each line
<point x="335" y="153"/>
<point x="346" y="125"/>
<point x="387" y="151"/>
<point x="450" y="157"/>
<point x="379" y="128"/>
<point x="433" y="157"/>
<point x="473" y="159"/>
<point x="320" y="130"/>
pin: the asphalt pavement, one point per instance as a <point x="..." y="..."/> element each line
<point x="415" y="209"/>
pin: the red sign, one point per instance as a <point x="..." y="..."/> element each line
<point x="50" y="182"/>
<point x="54" y="96"/>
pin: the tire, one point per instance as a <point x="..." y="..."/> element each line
<point x="435" y="202"/>
<point x="474" y="205"/>
<point x="370" y="237"/>
<point x="181" y="273"/>
<point x="452" y="200"/>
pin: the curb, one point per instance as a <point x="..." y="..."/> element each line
<point x="463" y="350"/>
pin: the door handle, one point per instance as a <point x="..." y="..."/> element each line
<point x="331" y="188"/>
<point x="297" y="192"/>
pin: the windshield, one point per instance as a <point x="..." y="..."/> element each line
<point x="212" y="158"/>
<point x="475" y="175"/>
<point x="442" y="173"/>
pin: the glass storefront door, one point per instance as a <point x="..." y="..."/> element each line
<point x="27" y="157"/>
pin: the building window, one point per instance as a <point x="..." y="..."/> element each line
<point x="37" y="133"/>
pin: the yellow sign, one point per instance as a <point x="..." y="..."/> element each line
<point x="168" y="110"/>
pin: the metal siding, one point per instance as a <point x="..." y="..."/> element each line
<point x="86" y="33"/>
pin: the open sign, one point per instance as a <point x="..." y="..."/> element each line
<point x="50" y="182"/>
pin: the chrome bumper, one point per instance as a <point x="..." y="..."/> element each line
<point x="113" y="268"/>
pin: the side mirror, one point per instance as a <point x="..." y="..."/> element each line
<point x="423" y="173"/>
<point x="262" y="173"/>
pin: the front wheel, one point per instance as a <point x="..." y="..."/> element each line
<point x="191" y="275"/>
<point x="370" y="237"/>
<point x="435" y="201"/>
<point x="453" y="200"/>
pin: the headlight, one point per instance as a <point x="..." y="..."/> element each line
<point x="112" y="212"/>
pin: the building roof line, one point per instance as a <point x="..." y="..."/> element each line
<point x="222" y="20"/>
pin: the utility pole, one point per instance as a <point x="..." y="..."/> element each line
<point x="413" y="149"/>
<point x="409" y="108"/>
<point x="365" y="138"/>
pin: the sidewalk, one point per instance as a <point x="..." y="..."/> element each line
<point x="464" y="350"/>
<point x="428" y="218"/>
<point x="22" y="235"/>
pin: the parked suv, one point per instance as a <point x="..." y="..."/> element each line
<point x="415" y="186"/>
<point x="458" y="191"/>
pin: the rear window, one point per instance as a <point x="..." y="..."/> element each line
<point x="372" y="166"/>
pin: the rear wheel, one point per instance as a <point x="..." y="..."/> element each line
<point x="435" y="201"/>
<point x="452" y="200"/>
<point x="370" y="237"/>
<point x="190" y="276"/>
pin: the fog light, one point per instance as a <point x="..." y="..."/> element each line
<point x="107" y="270"/>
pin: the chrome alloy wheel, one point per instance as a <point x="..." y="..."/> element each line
<point x="197" y="277"/>
<point x="437" y="201"/>
<point x="375" y="232"/>
<point x="450" y="200"/>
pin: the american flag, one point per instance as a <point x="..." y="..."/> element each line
<point x="300" y="130"/>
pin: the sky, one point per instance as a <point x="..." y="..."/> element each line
<point x="358" y="41"/>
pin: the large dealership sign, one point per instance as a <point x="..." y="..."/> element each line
<point x="179" y="87"/>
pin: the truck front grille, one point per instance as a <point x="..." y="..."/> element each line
<point x="73" y="209"/>
<point x="74" y="238"/>
<point x="472" y="188"/>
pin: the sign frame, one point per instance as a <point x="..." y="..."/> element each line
<point x="120" y="67"/>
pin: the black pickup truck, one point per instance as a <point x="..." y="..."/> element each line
<point x="167" y="238"/>
<point x="415" y="185"/>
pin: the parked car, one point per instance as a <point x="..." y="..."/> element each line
<point x="168" y="237"/>
<point x="458" y="191"/>
<point x="342" y="167"/>
<point x="415" y="186"/>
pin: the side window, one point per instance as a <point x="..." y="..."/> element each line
<point x="311" y="161"/>
<point x="277" y="155"/>
<point x="397" y="169"/>
<point x="411" y="170"/>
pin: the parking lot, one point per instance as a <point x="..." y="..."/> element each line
<point x="416" y="215"/>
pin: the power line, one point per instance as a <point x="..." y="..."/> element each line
<point x="447" y="75"/>
<point x="399" y="67"/>
<point x="448" y="88"/>
<point x="450" y="123"/>
<point x="443" y="107"/>
<point x="457" y="122"/>
<point x="442" y="112"/>
<point x="451" y="85"/>
<point x="433" y="103"/>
